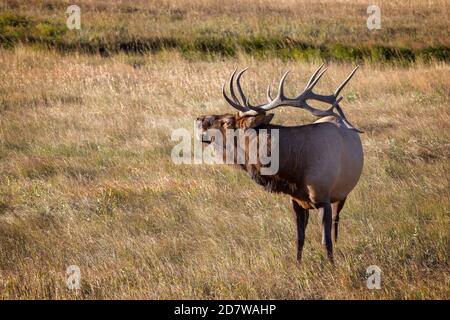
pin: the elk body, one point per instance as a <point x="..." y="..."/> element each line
<point x="319" y="163"/>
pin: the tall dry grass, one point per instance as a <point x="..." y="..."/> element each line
<point x="86" y="179"/>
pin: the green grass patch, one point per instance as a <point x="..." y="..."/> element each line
<point x="15" y="29"/>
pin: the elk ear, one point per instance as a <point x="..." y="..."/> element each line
<point x="260" y="119"/>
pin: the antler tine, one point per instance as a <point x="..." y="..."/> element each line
<point x="281" y="87"/>
<point x="233" y="95"/>
<point x="238" y="85"/>
<point x="313" y="76"/>
<point x="269" y="96"/>
<point x="316" y="80"/>
<point x="246" y="100"/>
<point x="336" y="93"/>
<point x="244" y="107"/>
<point x="231" y="102"/>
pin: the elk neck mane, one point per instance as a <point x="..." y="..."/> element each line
<point x="275" y="183"/>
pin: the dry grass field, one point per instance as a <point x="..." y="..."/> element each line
<point x="86" y="179"/>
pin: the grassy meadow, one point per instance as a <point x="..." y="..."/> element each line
<point x="86" y="176"/>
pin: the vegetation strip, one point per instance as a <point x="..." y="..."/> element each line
<point x="17" y="29"/>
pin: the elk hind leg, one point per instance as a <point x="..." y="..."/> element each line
<point x="336" y="208"/>
<point x="325" y="214"/>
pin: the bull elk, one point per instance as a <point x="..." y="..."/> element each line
<point x="319" y="163"/>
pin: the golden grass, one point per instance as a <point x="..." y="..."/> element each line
<point x="87" y="179"/>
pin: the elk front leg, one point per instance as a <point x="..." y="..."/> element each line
<point x="301" y="218"/>
<point x="325" y="213"/>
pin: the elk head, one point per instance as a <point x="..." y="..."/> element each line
<point x="230" y="122"/>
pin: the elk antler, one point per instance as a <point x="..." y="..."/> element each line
<point x="245" y="108"/>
